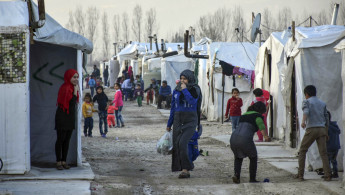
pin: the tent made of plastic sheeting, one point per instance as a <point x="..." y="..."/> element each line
<point x="341" y="47"/>
<point x="32" y="141"/>
<point x="52" y="32"/>
<point x="154" y="64"/>
<point x="309" y="60"/>
<point x="173" y="66"/>
<point x="269" y="68"/>
<point x="241" y="55"/>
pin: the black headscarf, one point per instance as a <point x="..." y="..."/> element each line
<point x="193" y="89"/>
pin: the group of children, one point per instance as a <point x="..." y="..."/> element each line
<point x="316" y="120"/>
<point x="107" y="111"/>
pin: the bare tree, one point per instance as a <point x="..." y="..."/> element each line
<point x="92" y="21"/>
<point x="239" y="24"/>
<point x="125" y="26"/>
<point x="284" y="18"/>
<point x="151" y="24"/>
<point x="116" y="22"/>
<point x="215" y="26"/>
<point x="267" y="23"/>
<point x="79" y="19"/>
<point x="323" y="18"/>
<point x="70" y="24"/>
<point x="105" y="29"/>
<point x="177" y="37"/>
<point x="136" y="22"/>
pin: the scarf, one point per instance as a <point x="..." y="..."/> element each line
<point x="66" y="91"/>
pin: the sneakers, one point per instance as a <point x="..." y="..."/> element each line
<point x="253" y="181"/>
<point x="104" y="135"/>
<point x="85" y="134"/>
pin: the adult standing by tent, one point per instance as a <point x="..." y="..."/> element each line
<point x="106" y="75"/>
<point x="68" y="97"/>
<point x="96" y="73"/>
<point x="185" y="118"/>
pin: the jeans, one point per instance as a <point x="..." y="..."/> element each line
<point x="234" y="122"/>
<point x="332" y="157"/>
<point x="118" y="116"/>
<point x="105" y="81"/>
<point x="88" y="125"/>
<point x="128" y="93"/>
<point x="92" y="91"/>
<point x="103" y="120"/>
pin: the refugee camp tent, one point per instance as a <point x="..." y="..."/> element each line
<point x="31" y="89"/>
<point x="269" y="68"/>
<point x="309" y="60"/>
<point x="171" y="68"/>
<point x="234" y="54"/>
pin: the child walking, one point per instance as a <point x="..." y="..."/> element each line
<point x="118" y="103"/>
<point x="87" y="114"/>
<point x="92" y="85"/>
<point x="139" y="94"/>
<point x="316" y="120"/>
<point x="102" y="101"/>
<point x="233" y="108"/>
<point x="111" y="114"/>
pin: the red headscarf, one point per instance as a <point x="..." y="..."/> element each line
<point x="66" y="91"/>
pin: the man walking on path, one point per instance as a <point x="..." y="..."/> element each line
<point x="316" y="120"/>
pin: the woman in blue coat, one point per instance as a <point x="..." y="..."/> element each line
<point x="185" y="118"/>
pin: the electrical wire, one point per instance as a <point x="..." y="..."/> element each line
<point x="270" y="28"/>
<point x="304" y="21"/>
<point x="238" y="38"/>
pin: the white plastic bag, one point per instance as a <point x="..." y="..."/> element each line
<point x="165" y="144"/>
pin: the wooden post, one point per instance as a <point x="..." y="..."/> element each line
<point x="253" y="17"/>
<point x="293" y="31"/>
<point x="310" y="21"/>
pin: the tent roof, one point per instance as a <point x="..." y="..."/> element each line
<point x="52" y="32"/>
<point x="14" y="13"/>
<point x="319" y="36"/>
<point x="238" y="54"/>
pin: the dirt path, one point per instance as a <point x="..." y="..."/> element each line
<point x="126" y="162"/>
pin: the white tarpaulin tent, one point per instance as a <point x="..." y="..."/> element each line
<point x="310" y="60"/>
<point x="238" y="54"/>
<point x="34" y="100"/>
<point x="171" y="68"/>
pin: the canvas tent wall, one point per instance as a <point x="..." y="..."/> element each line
<point x="308" y="60"/>
<point x="44" y="63"/>
<point x="269" y="68"/>
<point x="340" y="47"/>
<point x="241" y="55"/>
<point x="171" y="68"/>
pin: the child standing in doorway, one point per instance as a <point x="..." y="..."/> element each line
<point x="233" y="108"/>
<point x="118" y="103"/>
<point x="87" y="114"/>
<point x="139" y="94"/>
<point x="102" y="101"/>
<point x="111" y="114"/>
<point x="259" y="97"/>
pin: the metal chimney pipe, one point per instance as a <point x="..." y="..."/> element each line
<point x="186" y="53"/>
<point x="335" y="14"/>
<point x="150" y="37"/>
<point x="157" y="48"/>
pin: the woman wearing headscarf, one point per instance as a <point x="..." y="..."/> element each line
<point x="68" y="97"/>
<point x="185" y="118"/>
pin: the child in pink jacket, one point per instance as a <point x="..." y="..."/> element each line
<point x="118" y="103"/>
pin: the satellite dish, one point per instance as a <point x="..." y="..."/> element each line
<point x="255" y="27"/>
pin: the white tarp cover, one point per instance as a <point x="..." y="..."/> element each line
<point x="238" y="54"/>
<point x="52" y="32"/>
<point x="154" y="64"/>
<point x="14" y="13"/>
<point x="171" y="68"/>
<point x="274" y="46"/>
<point x="316" y="63"/>
<point x="320" y="35"/>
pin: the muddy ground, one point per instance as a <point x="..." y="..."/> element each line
<point x="126" y="162"/>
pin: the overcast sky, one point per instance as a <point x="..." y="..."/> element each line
<point x="176" y="13"/>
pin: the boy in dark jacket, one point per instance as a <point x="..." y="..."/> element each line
<point x="138" y="94"/>
<point x="102" y="101"/>
<point x="333" y="145"/>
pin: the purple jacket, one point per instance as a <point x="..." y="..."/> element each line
<point x="138" y="92"/>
